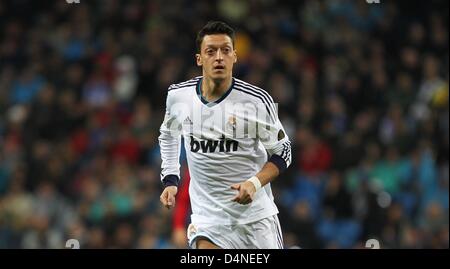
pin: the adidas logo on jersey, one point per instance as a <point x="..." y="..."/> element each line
<point x="187" y="120"/>
<point x="222" y="145"/>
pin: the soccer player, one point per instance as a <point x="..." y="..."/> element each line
<point x="235" y="146"/>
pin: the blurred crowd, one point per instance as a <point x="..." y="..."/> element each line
<point x="362" y="92"/>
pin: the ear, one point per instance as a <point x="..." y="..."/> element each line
<point x="235" y="56"/>
<point x="199" y="59"/>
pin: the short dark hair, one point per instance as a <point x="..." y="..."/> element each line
<point x="214" y="27"/>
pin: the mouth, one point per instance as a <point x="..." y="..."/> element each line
<point x="219" y="67"/>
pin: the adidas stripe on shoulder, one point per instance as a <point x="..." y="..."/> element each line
<point x="259" y="93"/>
<point x="184" y="84"/>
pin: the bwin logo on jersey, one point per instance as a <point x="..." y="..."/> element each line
<point x="210" y="146"/>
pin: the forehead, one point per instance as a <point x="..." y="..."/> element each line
<point x="216" y="40"/>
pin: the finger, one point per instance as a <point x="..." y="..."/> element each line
<point x="246" y="201"/>
<point x="236" y="198"/>
<point x="236" y="186"/>
<point x="163" y="198"/>
<point x="240" y="196"/>
<point x="167" y="202"/>
<point x="246" y="198"/>
<point x="171" y="200"/>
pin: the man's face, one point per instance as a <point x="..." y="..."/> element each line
<point x="217" y="56"/>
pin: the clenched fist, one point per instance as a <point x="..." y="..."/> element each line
<point x="167" y="197"/>
<point x="246" y="192"/>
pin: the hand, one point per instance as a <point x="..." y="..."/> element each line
<point x="167" y="197"/>
<point x="246" y="192"/>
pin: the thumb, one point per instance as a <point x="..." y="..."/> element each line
<point x="236" y="186"/>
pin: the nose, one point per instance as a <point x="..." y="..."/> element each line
<point x="219" y="56"/>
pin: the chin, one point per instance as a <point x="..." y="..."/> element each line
<point x="219" y="77"/>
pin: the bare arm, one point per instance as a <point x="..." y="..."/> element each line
<point x="268" y="173"/>
<point x="247" y="189"/>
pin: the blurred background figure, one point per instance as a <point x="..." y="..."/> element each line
<point x="361" y="89"/>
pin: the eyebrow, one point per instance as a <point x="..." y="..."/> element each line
<point x="221" y="45"/>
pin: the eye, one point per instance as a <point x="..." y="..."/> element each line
<point x="226" y="50"/>
<point x="209" y="51"/>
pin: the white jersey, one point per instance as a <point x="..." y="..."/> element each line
<point x="227" y="142"/>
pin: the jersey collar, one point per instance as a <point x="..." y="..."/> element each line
<point x="213" y="103"/>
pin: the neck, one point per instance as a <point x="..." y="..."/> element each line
<point x="214" y="89"/>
